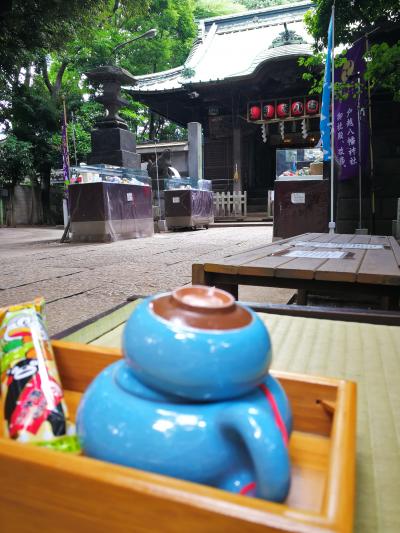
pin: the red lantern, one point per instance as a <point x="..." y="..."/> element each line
<point x="268" y="111"/>
<point x="255" y="112"/>
<point x="282" y="110"/>
<point x="297" y="109"/>
<point x="312" y="107"/>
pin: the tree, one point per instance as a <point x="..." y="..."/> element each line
<point x="31" y="25"/>
<point x="48" y="45"/>
<point x="176" y="30"/>
<point x="356" y="18"/>
<point x="383" y="69"/>
<point x="42" y="62"/>
<point x="213" y="8"/>
<point x="353" y="18"/>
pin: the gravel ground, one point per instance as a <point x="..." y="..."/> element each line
<point x="80" y="281"/>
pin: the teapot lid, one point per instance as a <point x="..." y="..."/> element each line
<point x="201" y="307"/>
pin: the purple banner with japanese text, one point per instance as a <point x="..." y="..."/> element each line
<point x="351" y="114"/>
<point x="65" y="154"/>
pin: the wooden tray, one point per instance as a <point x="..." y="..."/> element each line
<point x="44" y="490"/>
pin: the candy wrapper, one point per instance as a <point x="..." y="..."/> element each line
<point x="34" y="409"/>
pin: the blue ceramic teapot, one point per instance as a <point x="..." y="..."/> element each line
<point x="193" y="397"/>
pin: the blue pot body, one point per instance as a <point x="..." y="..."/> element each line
<point x="225" y="444"/>
<point x="204" y="365"/>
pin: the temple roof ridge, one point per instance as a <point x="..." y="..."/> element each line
<point x="161" y="74"/>
<point x="199" y="40"/>
<point x="195" y="58"/>
<point x="232" y="46"/>
<point x="291" y="50"/>
<point x="260" y="11"/>
<point x="263" y="13"/>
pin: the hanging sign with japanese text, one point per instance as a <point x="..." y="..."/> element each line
<point x="351" y="115"/>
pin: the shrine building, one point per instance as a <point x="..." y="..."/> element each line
<point x="243" y="83"/>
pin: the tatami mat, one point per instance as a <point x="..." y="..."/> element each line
<point x="369" y="355"/>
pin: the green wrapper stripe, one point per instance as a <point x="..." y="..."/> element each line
<point x="69" y="444"/>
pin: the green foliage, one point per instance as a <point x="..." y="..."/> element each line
<point x="30" y="25"/>
<point x="353" y="20"/>
<point x="16" y="161"/>
<point x="176" y="31"/>
<point x="258" y="4"/>
<point x="383" y="68"/>
<point x="214" y="8"/>
<point x="314" y="66"/>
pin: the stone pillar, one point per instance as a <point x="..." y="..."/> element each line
<point x="195" y="161"/>
<point x="237" y="159"/>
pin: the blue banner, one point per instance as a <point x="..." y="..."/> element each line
<point x="325" y="123"/>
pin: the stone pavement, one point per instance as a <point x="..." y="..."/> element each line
<point x="80" y="281"/>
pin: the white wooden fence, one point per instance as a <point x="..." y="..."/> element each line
<point x="230" y="204"/>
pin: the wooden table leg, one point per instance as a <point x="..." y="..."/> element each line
<point x="198" y="274"/>
<point x="200" y="277"/>
<point x="301" y="297"/>
<point x="390" y="302"/>
<point x="231" y="288"/>
<point x="211" y="279"/>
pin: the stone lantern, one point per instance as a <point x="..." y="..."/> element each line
<point x="112" y="142"/>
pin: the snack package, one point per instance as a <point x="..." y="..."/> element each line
<point x="33" y="403"/>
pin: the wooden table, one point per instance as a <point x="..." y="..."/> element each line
<point x="369" y="266"/>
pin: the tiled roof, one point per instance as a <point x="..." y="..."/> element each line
<point x="233" y="46"/>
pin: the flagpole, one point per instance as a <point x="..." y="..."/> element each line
<point x="332" y="224"/>
<point x="371" y="153"/>
<point x="359" y="153"/>
<point x="66" y="132"/>
<point x="65" y="196"/>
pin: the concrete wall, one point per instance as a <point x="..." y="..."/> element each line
<point x="27" y="210"/>
<point x="179" y="160"/>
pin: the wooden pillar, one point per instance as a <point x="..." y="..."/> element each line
<point x="237" y="159"/>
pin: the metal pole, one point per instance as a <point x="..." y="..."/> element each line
<point x="359" y="153"/>
<point x="371" y="153"/>
<point x="158" y="183"/>
<point x="147" y="35"/>
<point x="332" y="224"/>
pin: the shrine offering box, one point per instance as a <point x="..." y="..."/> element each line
<point x="188" y="208"/>
<point x="103" y="212"/>
<point x="300" y="206"/>
<point x="44" y="490"/>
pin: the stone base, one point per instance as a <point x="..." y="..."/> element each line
<point x="188" y="222"/>
<point x="118" y="158"/>
<point x="109" y="231"/>
<point x="114" y="146"/>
